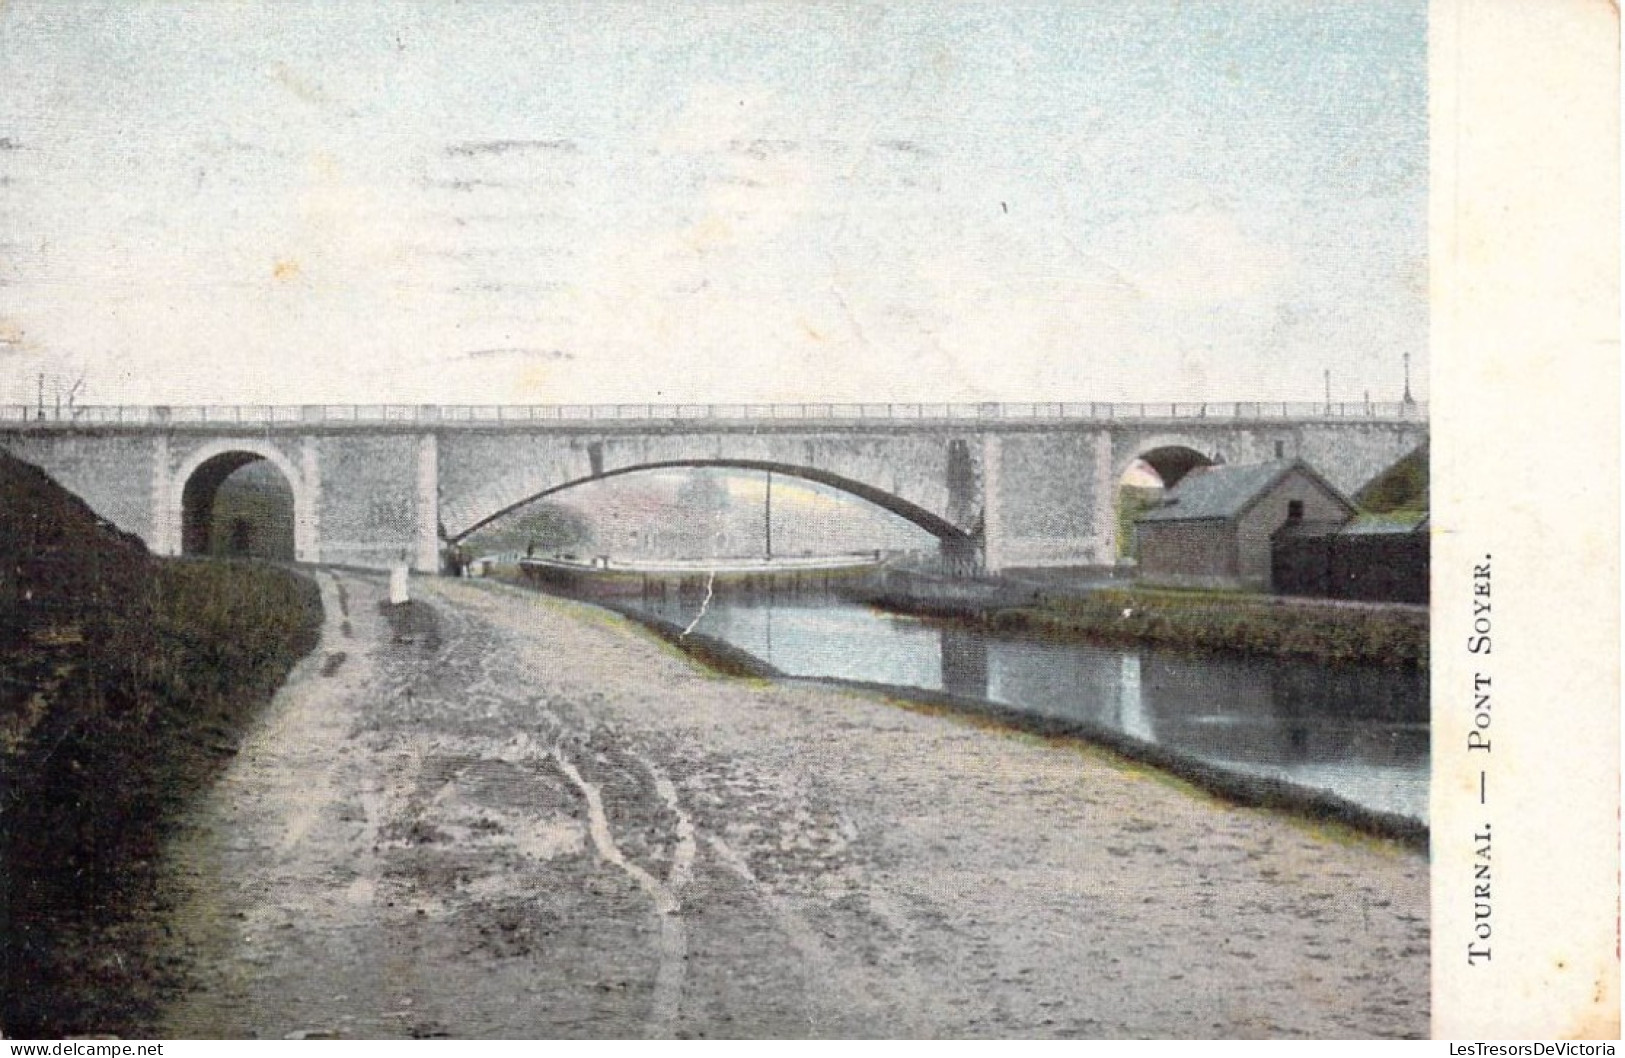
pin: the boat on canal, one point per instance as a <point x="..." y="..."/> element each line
<point x="603" y="576"/>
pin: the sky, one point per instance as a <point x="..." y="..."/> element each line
<point x="462" y="202"/>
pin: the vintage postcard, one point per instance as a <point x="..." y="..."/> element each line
<point x="687" y="519"/>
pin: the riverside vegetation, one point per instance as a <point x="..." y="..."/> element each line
<point x="125" y="684"/>
<point x="1319" y="630"/>
<point x="1232" y="621"/>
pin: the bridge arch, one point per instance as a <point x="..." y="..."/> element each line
<point x="1170" y="459"/>
<point x="931" y="522"/>
<point x="1172" y="456"/>
<point x="196" y="483"/>
<point x="957" y="544"/>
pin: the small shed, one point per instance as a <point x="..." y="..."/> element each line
<point x="1374" y="558"/>
<point x="1214" y="529"/>
<point x="1301" y="559"/>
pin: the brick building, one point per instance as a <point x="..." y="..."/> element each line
<point x="1215" y="528"/>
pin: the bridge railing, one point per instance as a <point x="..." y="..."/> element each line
<point x="300" y="415"/>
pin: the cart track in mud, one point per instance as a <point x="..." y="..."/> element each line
<point x="494" y="814"/>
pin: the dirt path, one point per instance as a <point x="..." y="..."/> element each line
<point x="514" y="816"/>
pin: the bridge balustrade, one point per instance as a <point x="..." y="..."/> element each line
<point x="205" y="415"/>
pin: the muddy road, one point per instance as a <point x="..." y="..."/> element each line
<point x="503" y="815"/>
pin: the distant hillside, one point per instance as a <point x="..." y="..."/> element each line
<point x="1402" y="487"/>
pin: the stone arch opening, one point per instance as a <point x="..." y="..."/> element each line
<point x="955" y="544"/>
<point x="1170" y="463"/>
<point x="239" y="503"/>
<point x="1143" y="484"/>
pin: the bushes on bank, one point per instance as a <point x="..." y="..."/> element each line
<point x="127" y="683"/>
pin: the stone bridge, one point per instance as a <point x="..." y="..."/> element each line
<point x="1001" y="485"/>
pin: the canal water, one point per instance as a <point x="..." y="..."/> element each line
<point x="1360" y="733"/>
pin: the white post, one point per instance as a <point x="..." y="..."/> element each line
<point x="398" y="589"/>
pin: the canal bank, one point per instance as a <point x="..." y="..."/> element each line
<point x="523" y="817"/>
<point x="1112" y="610"/>
<point x="1346" y="747"/>
<point x="873" y="869"/>
<point x="1244" y="790"/>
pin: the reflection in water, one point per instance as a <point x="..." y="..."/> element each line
<point x="964" y="662"/>
<point x="1131" y="715"/>
<point x="1359" y="732"/>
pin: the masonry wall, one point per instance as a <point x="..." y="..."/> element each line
<point x="1030" y="496"/>
<point x="1259" y="523"/>
<point x="112" y="472"/>
<point x="1188" y="554"/>
<point x="1351" y="455"/>
<point x="1054" y="500"/>
<point x="1348" y="453"/>
<point x="368" y="503"/>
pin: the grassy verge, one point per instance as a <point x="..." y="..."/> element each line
<point x="1205" y="621"/>
<point x="1256" y="624"/>
<point x="135" y="690"/>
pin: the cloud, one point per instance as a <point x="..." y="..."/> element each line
<point x="305" y="90"/>
<point x="712" y="217"/>
<point x="761" y="148"/>
<point x="713" y="116"/>
<point x="222" y="144"/>
<point x="518" y="352"/>
<point x="474" y="148"/>
<point x="463" y="185"/>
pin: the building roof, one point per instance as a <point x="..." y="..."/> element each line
<point x="1385" y="524"/>
<point x="1226" y="492"/>
<point x="1304" y="528"/>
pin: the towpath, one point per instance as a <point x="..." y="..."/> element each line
<point x="512" y="816"/>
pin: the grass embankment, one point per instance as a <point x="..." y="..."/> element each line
<point x="125" y="684"/>
<point x="1207" y="621"/>
<point x="1233" y="621"/>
